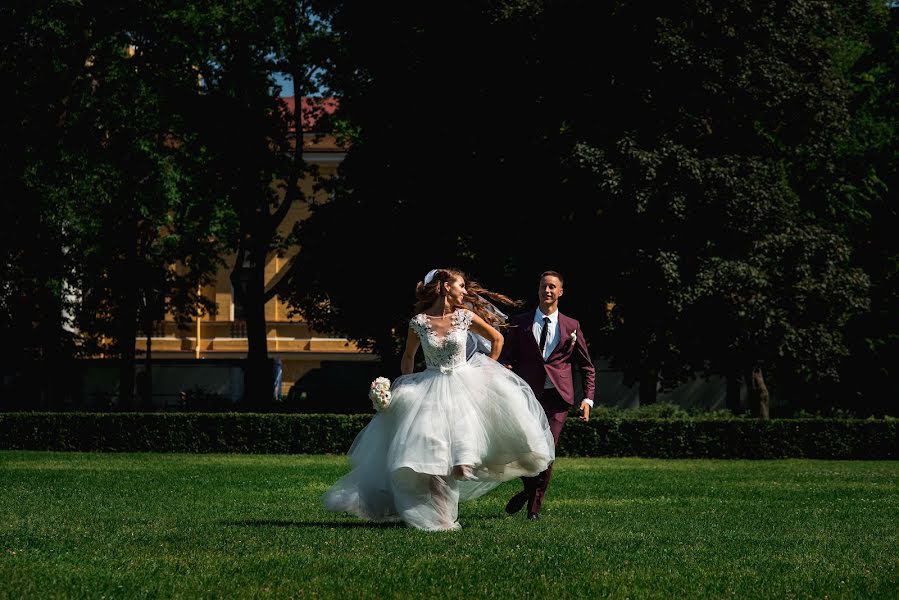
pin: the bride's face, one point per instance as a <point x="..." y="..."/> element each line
<point x="456" y="292"/>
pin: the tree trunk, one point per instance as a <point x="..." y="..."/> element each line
<point x="649" y="382"/>
<point x="148" y="371"/>
<point x="127" y="352"/>
<point x="42" y="326"/>
<point x="47" y="354"/>
<point x="258" y="383"/>
<point x="758" y="393"/>
<point x="733" y="393"/>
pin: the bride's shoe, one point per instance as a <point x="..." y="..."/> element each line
<point x="463" y="473"/>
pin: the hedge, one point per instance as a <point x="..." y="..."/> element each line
<point x="180" y="432"/>
<point x="736" y="438"/>
<point x="333" y="434"/>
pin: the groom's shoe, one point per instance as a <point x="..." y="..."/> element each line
<point x="533" y="516"/>
<point x="517" y="502"/>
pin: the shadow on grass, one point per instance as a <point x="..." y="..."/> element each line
<point x="328" y="524"/>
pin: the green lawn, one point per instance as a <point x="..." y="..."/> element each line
<point x="76" y="525"/>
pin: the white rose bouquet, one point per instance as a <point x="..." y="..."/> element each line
<point x="379" y="393"/>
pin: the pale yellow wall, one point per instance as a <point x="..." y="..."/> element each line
<point x="299" y="348"/>
<point x="275" y="309"/>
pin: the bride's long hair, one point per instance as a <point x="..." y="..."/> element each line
<point x="476" y="296"/>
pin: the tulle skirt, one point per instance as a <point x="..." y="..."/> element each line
<point x="447" y="436"/>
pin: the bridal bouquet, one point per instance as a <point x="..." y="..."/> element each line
<point x="379" y="393"/>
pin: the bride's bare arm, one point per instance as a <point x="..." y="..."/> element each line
<point x="487" y="331"/>
<point x="407" y="363"/>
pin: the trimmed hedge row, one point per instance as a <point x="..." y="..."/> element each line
<point x="180" y="432"/>
<point x="738" y="438"/>
<point x="333" y="434"/>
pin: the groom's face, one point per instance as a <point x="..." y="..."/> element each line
<point x="550" y="289"/>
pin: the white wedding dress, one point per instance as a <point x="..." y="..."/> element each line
<point x="474" y="415"/>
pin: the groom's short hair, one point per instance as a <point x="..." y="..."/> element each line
<point x="555" y="274"/>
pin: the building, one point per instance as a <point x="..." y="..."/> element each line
<point x="223" y="336"/>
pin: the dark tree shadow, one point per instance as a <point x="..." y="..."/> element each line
<point x="322" y="524"/>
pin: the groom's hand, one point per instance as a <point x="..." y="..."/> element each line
<point x="585" y="411"/>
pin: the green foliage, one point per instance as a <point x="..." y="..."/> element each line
<point x="396" y="77"/>
<point x="187" y="432"/>
<point x="783" y="303"/>
<point x="661" y="432"/>
<point x="715" y="266"/>
<point x="105" y="177"/>
<point x="860" y="199"/>
<point x="715" y="180"/>
<point x="42" y="51"/>
<point x="156" y="143"/>
<point x="732" y="438"/>
<point x="670" y="153"/>
<point x="657" y="410"/>
<point x="253" y="142"/>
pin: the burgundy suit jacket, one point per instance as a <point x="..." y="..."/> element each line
<point x="521" y="351"/>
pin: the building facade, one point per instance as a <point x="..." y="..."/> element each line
<point x="223" y="335"/>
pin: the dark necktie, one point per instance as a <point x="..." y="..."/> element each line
<point x="543" y="334"/>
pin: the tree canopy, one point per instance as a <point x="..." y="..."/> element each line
<point x="716" y="181"/>
<point x="669" y="162"/>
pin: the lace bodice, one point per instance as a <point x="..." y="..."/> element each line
<point x="448" y="352"/>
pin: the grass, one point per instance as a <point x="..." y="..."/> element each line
<point x="89" y="525"/>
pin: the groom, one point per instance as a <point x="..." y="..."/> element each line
<point x="542" y="346"/>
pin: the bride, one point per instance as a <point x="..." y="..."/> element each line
<point x="452" y="432"/>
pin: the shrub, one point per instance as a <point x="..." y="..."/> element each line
<point x="333" y="434"/>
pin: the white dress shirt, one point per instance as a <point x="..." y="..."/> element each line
<point x="552" y="336"/>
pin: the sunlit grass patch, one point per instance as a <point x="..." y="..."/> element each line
<point x="76" y="525"/>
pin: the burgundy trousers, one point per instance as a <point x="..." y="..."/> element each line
<point x="556" y="412"/>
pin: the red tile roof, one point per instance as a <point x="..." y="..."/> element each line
<point x="312" y="108"/>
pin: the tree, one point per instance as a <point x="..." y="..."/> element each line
<point x="255" y="141"/>
<point x="719" y="111"/>
<point x="781" y="306"/>
<point x="422" y="114"/>
<point x="116" y="188"/>
<point x="859" y="199"/>
<point x="42" y="50"/>
<point x="656" y="145"/>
